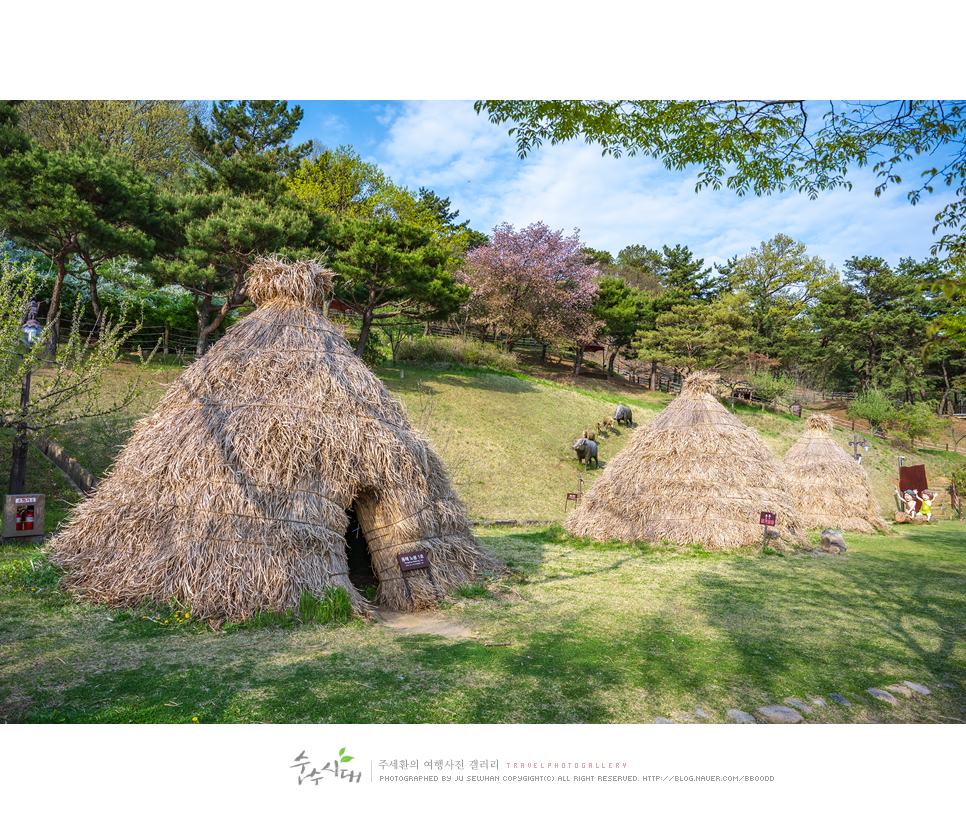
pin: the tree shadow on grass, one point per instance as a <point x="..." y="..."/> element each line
<point x="821" y="626"/>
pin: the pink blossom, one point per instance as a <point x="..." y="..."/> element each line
<point x="536" y="282"/>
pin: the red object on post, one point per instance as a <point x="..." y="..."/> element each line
<point x="767" y="519"/>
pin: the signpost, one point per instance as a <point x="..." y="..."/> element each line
<point x="767" y="520"/>
<point x="575" y="497"/>
<point x="23" y="516"/>
<point x="797" y="410"/>
<point x="413" y="561"/>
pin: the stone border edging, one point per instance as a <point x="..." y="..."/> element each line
<point x="78" y="476"/>
<point x="791" y="710"/>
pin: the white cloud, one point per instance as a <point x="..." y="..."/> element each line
<point x="447" y="147"/>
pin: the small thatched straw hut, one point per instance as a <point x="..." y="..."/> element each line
<point x="235" y="495"/>
<point x="830" y="488"/>
<point x="694" y="474"/>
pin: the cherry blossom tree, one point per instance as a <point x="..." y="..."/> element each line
<point x="534" y="282"/>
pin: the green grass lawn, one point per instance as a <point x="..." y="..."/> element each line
<point x="590" y="633"/>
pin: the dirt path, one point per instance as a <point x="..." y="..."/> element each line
<point x="431" y="623"/>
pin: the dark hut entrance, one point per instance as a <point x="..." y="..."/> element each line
<point x="357" y="553"/>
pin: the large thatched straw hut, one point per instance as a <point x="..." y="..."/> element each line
<point x="694" y="474"/>
<point x="830" y="489"/>
<point x="235" y="495"/>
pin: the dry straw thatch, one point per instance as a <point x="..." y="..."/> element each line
<point x="829" y="488"/>
<point x="694" y="475"/>
<point x="232" y="496"/>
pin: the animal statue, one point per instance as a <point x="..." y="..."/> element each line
<point x="590" y="435"/>
<point x="586" y="451"/>
<point x="607" y="423"/>
<point x="623" y="415"/>
<point x="598" y="427"/>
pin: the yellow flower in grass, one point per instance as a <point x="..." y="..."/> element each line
<point x="194" y="720"/>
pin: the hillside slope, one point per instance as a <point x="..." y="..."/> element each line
<point x="507" y="440"/>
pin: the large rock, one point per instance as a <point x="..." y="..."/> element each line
<point x="777" y="714"/>
<point x="833" y="542"/>
<point x="881" y="694"/>
<point x="917" y="687"/>
<point x="898" y="689"/>
<point x="802" y="707"/>
<point x="839" y="699"/>
<point x="740" y="717"/>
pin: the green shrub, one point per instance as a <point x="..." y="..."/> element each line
<point x="911" y="421"/>
<point x="456" y="350"/>
<point x="958" y="478"/>
<point x="874" y="406"/>
<point x="768" y="387"/>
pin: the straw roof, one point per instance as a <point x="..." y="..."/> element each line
<point x="694" y="474"/>
<point x="232" y="496"/>
<point x="829" y="488"/>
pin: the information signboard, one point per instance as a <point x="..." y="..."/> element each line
<point x="412" y="561"/>
<point x="767" y="519"/>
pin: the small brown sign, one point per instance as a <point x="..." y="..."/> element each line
<point x="23" y="515"/>
<point x="767" y="519"/>
<point x="573" y="496"/>
<point x="412" y="561"/>
<point x="797" y="410"/>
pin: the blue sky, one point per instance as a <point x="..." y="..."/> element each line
<point x="446" y="147"/>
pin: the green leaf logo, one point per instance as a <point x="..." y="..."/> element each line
<point x="343" y="757"/>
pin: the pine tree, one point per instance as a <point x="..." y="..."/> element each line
<point x="235" y="205"/>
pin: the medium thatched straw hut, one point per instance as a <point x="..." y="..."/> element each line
<point x="694" y="474"/>
<point x="830" y="488"/>
<point x="235" y="495"/>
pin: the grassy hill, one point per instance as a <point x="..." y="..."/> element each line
<point x="506" y="439"/>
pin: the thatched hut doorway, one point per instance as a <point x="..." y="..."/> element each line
<point x="357" y="552"/>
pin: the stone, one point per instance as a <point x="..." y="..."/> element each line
<point x="880" y="694"/>
<point x="740" y="717"/>
<point x="817" y="701"/>
<point x="682" y="717"/>
<point x="701" y="714"/>
<point x="917" y="687"/>
<point x="898" y="689"/>
<point x="777" y="714"/>
<point x="833" y="542"/>
<point x="839" y="699"/>
<point x="802" y="707"/>
<point x="662" y="720"/>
